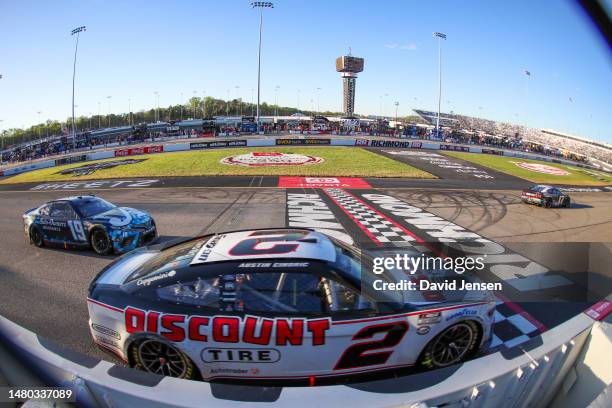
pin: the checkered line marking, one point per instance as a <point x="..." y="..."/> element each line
<point x="377" y="226"/>
<point x="510" y="328"/>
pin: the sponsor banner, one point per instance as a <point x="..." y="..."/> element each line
<point x="493" y="151"/>
<point x="70" y="159"/>
<point x="454" y="148"/>
<point x="133" y="151"/>
<point x="309" y="141"/>
<point x="94" y="184"/>
<point x="416" y="145"/>
<point x="258" y="159"/>
<point x="322" y="182"/>
<point x="542" y="168"/>
<point x="382" y="143"/>
<point x="218" y="143"/>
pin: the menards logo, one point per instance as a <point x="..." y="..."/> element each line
<point x="514" y="269"/>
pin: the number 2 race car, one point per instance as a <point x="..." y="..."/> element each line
<point x="546" y="196"/>
<point x="271" y="306"/>
<point x="89" y="221"/>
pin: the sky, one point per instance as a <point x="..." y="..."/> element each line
<point x="209" y="48"/>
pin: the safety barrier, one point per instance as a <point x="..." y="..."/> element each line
<point x="317" y="140"/>
<point x="527" y="375"/>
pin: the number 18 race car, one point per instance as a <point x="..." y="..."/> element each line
<point x="89" y="221"/>
<point x="271" y="306"/>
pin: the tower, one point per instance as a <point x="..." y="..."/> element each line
<point x="349" y="66"/>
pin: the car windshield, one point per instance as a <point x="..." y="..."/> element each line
<point x="538" y="188"/>
<point x="91" y="206"/>
<point x="177" y="256"/>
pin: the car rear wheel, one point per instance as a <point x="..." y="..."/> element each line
<point x="567" y="203"/>
<point x="455" y="344"/>
<point x="36" y="236"/>
<point x="547" y="203"/>
<point x="100" y="242"/>
<point x="161" y="358"/>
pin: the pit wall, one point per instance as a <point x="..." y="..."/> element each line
<point x="123" y="151"/>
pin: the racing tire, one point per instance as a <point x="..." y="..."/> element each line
<point x="453" y="345"/>
<point x="36" y="236"/>
<point x="100" y="242"/>
<point x="547" y="203"/>
<point x="567" y="203"/>
<point x="158" y="357"/>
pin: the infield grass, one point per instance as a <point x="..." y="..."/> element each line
<point x="338" y="161"/>
<point x="577" y="175"/>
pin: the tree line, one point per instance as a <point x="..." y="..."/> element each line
<point x="194" y="108"/>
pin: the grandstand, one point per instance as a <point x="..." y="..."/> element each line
<point x="477" y="130"/>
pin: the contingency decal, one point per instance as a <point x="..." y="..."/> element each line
<point x="322" y="182"/>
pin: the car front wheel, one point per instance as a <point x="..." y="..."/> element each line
<point x="454" y="345"/>
<point x="161" y="358"/>
<point x="36" y="236"/>
<point x="100" y="242"/>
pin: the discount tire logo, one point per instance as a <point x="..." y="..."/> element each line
<point x="257" y="159"/>
<point x="542" y="168"/>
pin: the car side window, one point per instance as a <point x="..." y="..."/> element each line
<point x="44" y="210"/>
<point x="340" y="298"/>
<point x="62" y="211"/>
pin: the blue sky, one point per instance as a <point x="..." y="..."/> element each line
<point x="132" y="49"/>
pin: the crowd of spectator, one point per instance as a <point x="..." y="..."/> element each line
<point x="456" y="129"/>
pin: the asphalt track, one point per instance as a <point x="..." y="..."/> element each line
<point x="45" y="289"/>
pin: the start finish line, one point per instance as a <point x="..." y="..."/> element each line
<point x="76" y="185"/>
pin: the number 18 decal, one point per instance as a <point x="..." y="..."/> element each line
<point x="76" y="228"/>
<point x="354" y="356"/>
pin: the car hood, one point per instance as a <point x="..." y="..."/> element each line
<point x="122" y="216"/>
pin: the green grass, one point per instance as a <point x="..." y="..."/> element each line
<point x="339" y="161"/>
<point x="577" y="176"/>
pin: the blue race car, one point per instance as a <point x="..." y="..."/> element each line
<point x="89" y="221"/>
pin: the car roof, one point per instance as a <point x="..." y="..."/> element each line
<point x="304" y="244"/>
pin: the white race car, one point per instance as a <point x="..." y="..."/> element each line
<point x="272" y="305"/>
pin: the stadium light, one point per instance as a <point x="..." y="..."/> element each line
<point x="440" y="37"/>
<point x="109" y="110"/>
<point x="78" y="32"/>
<point x="276" y="88"/>
<point x="260" y="5"/>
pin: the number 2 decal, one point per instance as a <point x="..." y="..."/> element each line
<point x="284" y="243"/>
<point x="354" y="356"/>
<point x="76" y="228"/>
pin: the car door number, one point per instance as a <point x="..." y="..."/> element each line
<point x="76" y="228"/>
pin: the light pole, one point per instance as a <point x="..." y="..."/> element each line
<point x="227" y="105"/>
<point x="203" y="105"/>
<point x="39" y="112"/>
<point x="76" y="31"/>
<point x="440" y="38"/>
<point x="156" y="116"/>
<point x="396" y="106"/>
<point x="130" y="110"/>
<point x="276" y="88"/>
<point x="318" y="100"/>
<point x="99" y="115"/>
<point x="298" y="100"/>
<point x="237" y="87"/>
<point x="108" y="98"/>
<point x="195" y="103"/>
<point x="182" y="106"/>
<point x="261" y="5"/>
<point x="527" y="77"/>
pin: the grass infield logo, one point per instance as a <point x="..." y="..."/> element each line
<point x="257" y="159"/>
<point x="542" y="168"/>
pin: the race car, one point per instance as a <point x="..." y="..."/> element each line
<point x="278" y="305"/>
<point x="88" y="222"/>
<point x="546" y="196"/>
